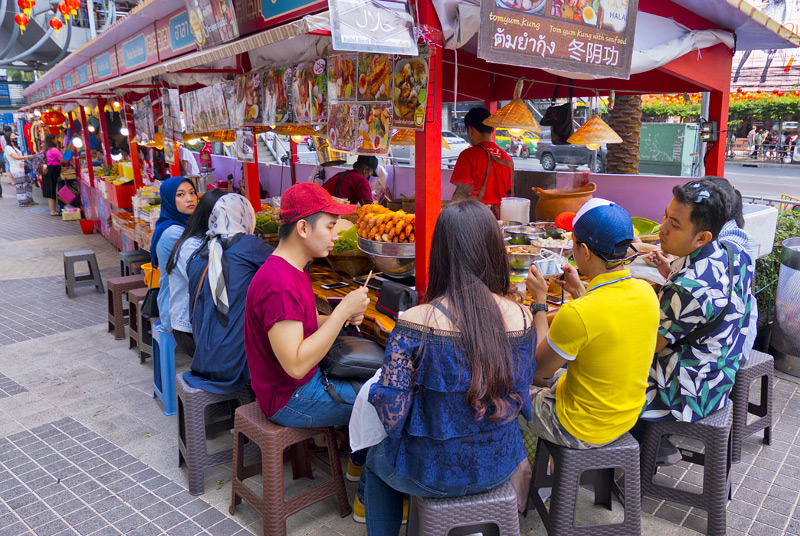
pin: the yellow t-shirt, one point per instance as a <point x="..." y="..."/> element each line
<point x="609" y="338"/>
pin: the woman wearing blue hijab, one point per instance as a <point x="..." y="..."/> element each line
<point x="178" y="200"/>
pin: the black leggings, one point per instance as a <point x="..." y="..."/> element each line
<point x="185" y="342"/>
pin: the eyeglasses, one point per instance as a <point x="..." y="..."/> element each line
<point x="615" y="263"/>
<point x="700" y="195"/>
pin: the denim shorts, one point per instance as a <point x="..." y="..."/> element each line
<point x="311" y="406"/>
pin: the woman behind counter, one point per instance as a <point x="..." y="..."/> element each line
<point x="52" y="174"/>
<point x="453" y="382"/>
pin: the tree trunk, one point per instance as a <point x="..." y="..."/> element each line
<point x="626" y="120"/>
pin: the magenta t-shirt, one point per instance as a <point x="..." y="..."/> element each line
<point x="278" y="292"/>
<point x="53" y="157"/>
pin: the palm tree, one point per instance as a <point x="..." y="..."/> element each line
<point x="626" y="120"/>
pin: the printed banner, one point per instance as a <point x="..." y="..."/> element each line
<point x="212" y="21"/>
<point x="342" y="77"/>
<point x="277" y="88"/>
<point x="367" y="26"/>
<point x="254" y="15"/>
<point x="593" y="37"/>
<point x="410" y="88"/>
<point x="251" y="97"/>
<point x="373" y="128"/>
<point x="105" y="64"/>
<point x="244" y="145"/>
<point x="171" y="107"/>
<point x="342" y="126"/>
<point x="309" y="92"/>
<point x="174" y="35"/>
<point x="374" y="77"/>
<point x="144" y="120"/>
<point x="139" y="51"/>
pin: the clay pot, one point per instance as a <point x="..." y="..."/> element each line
<point x="553" y="202"/>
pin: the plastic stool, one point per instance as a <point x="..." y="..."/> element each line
<point x="194" y="426"/>
<point x="135" y="299"/>
<point x="126" y="258"/>
<point x="117" y="314"/>
<point x="490" y="513"/>
<point x="714" y="431"/>
<point x="145" y="346"/>
<point x="574" y="467"/>
<point x="273" y="440"/>
<point x="758" y="366"/>
<point x="71" y="281"/>
<point x="164" y="369"/>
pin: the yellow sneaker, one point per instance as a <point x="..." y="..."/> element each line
<point x="358" y="511"/>
<point x="353" y="471"/>
<point x="360" y="517"/>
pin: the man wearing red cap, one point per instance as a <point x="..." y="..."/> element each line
<point x="284" y="336"/>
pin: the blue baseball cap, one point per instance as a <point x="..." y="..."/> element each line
<point x="604" y="226"/>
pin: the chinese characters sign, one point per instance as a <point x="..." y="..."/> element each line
<point x="593" y="37"/>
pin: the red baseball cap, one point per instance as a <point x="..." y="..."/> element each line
<point x="307" y="198"/>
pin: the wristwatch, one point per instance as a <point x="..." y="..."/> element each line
<point x="536" y="307"/>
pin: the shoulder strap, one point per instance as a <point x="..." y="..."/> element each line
<point x="555" y="90"/>
<point x="339" y="178"/>
<point x="524" y="317"/>
<point x="200" y="284"/>
<point x="503" y="162"/>
<point x="445" y="311"/>
<point x="700" y="333"/>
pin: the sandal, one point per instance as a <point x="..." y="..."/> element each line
<point x="56" y="214"/>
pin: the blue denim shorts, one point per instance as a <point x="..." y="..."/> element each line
<point x="311" y="406"/>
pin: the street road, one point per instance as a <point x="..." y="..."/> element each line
<point x="767" y="182"/>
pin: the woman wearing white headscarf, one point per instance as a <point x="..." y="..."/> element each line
<point x="219" y="275"/>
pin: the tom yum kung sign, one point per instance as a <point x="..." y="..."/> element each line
<point x="592" y="37"/>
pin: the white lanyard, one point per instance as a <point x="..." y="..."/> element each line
<point x="610" y="282"/>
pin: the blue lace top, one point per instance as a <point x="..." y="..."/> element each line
<point x="433" y="437"/>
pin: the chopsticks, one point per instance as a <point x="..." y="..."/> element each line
<point x="366" y="282"/>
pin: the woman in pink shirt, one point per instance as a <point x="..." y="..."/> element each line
<point x="52" y="160"/>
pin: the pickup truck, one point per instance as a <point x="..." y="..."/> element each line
<point x="550" y="156"/>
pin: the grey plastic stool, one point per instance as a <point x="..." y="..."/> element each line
<point x="127" y="260"/>
<point x="493" y="513"/>
<point x="573" y="467"/>
<point x="195" y="408"/>
<point x="758" y="366"/>
<point x="71" y="281"/>
<point x="714" y="432"/>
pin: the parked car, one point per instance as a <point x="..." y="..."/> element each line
<point x="402" y="153"/>
<point x="522" y="146"/>
<point x="550" y="156"/>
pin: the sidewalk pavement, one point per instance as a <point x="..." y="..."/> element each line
<point x="84" y="448"/>
<point x="739" y="161"/>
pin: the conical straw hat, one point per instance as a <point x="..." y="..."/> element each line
<point x="407" y="137"/>
<point x="594" y="131"/>
<point x="515" y="115"/>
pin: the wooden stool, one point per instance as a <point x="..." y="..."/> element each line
<point x="71" y="280"/>
<point x="574" y="467"/>
<point x="117" y="314"/>
<point x="758" y="366"/>
<point x="273" y="440"/>
<point x="145" y="346"/>
<point x="135" y="299"/>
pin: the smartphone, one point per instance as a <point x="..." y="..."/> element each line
<point x="334" y="300"/>
<point x="332" y="286"/>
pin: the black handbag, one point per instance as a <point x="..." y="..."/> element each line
<point x="26" y="167"/>
<point x="394" y="298"/>
<point x="559" y="118"/>
<point x="150" y="304"/>
<point x="350" y="358"/>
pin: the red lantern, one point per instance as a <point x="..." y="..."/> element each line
<point x="22" y="19"/>
<point x="73" y="5"/>
<point x="25" y="6"/>
<point x="63" y="8"/>
<point x="56" y="24"/>
<point x="53" y="118"/>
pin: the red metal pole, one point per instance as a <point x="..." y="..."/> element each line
<point x="251" y="180"/>
<point x="134" y="149"/>
<point x="428" y="168"/>
<point x="86" y="147"/>
<point x="293" y="161"/>
<point x="175" y="166"/>
<point x="104" y="134"/>
<point x="76" y="162"/>
<point x="718" y="111"/>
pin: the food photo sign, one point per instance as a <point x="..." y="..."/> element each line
<point x="592" y="37"/>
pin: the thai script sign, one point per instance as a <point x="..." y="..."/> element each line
<point x="174" y="35"/>
<point x="138" y="51"/>
<point x="255" y="15"/>
<point x="593" y="37"/>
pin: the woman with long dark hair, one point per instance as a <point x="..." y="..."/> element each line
<point x="455" y="376"/>
<point x="179" y="291"/>
<point x="20" y="179"/>
<point x="52" y="174"/>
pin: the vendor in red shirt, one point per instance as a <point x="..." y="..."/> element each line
<point x="484" y="171"/>
<point x="284" y="336"/>
<point x="353" y="185"/>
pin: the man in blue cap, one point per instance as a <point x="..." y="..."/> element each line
<point x="606" y="335"/>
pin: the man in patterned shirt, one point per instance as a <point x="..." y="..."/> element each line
<point x="690" y="380"/>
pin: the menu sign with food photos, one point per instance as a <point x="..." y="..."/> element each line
<point x="342" y="125"/>
<point x="410" y="89"/>
<point x="144" y="120"/>
<point x="591" y="37"/>
<point x="363" y="25"/>
<point x="212" y="21"/>
<point x="251" y="97"/>
<point x="373" y="128"/>
<point x="309" y="92"/>
<point x="277" y="91"/>
<point x="374" y="77"/>
<point x="244" y="145"/>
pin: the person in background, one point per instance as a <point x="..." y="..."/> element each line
<point x="451" y="387"/>
<point x="220" y="272"/>
<point x="691" y="379"/>
<point x="606" y="335"/>
<point x="284" y="336"/>
<point x="16" y="163"/>
<point x="4" y="164"/>
<point x="483" y="172"/>
<point x="751" y="141"/>
<point x="52" y="159"/>
<point x="178" y="201"/>
<point x="188" y="163"/>
<point x="354" y="185"/>
<point x="180" y="291"/>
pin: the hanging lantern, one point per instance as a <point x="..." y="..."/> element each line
<point x="74" y="6"/>
<point x="22" y="19"/>
<point x="63" y="8"/>
<point x="515" y="116"/>
<point x="56" y="24"/>
<point x="408" y="137"/>
<point x="25" y="6"/>
<point x="594" y="133"/>
<point x="53" y="118"/>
